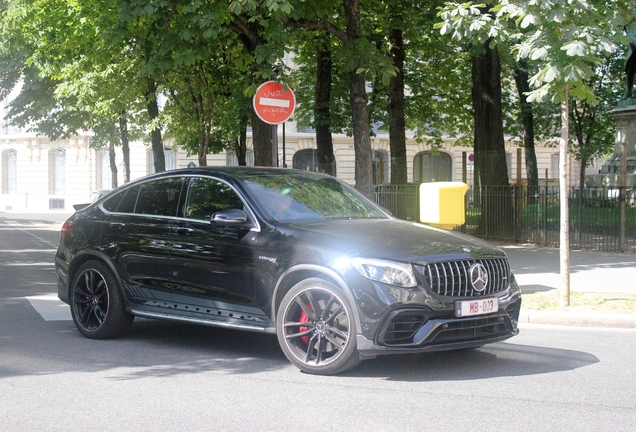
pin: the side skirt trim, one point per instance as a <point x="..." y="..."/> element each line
<point x="208" y="322"/>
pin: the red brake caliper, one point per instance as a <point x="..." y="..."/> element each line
<point x="304" y="318"/>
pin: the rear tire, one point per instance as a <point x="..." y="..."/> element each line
<point x="316" y="328"/>
<point x="97" y="306"/>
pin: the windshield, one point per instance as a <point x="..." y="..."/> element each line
<point x="290" y="197"/>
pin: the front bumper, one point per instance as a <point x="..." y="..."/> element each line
<point x="412" y="330"/>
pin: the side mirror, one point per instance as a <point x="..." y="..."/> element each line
<point x="229" y="217"/>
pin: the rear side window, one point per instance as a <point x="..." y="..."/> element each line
<point x="122" y="202"/>
<point x="130" y="199"/>
<point x="159" y="197"/>
<point x="207" y="196"/>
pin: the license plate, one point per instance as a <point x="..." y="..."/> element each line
<point x="475" y="307"/>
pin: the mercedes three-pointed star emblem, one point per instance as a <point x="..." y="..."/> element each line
<point x="478" y="277"/>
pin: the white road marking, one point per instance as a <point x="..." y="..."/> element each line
<point x="28" y="224"/>
<point x="50" y="307"/>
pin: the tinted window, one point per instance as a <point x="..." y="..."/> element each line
<point x="130" y="199"/>
<point x="159" y="197"/>
<point x="207" y="196"/>
<point x="123" y="202"/>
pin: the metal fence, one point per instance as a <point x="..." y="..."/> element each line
<point x="523" y="215"/>
<point x="403" y="201"/>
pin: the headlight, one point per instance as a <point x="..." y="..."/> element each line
<point x="389" y="272"/>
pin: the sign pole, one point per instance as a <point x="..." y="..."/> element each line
<point x="284" y="160"/>
<point x="275" y="145"/>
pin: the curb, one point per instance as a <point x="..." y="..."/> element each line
<point x="577" y="319"/>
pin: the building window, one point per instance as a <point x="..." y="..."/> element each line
<point x="9" y="172"/>
<point x="170" y="158"/>
<point x="57" y="170"/>
<point x="554" y="166"/>
<point x="105" y="173"/>
<point x="306" y="160"/>
<point x="380" y="167"/>
<point x="509" y="165"/>
<point x="232" y="160"/>
<point x="429" y="167"/>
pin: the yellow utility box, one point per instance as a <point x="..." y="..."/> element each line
<point x="443" y="204"/>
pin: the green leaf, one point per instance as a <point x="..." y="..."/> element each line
<point x="551" y="74"/>
<point x="529" y="20"/>
<point x="539" y="53"/>
<point x="576" y="48"/>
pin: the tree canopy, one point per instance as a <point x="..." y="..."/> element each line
<point x="408" y="65"/>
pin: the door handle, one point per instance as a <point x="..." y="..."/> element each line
<point x="118" y="225"/>
<point x="182" y="230"/>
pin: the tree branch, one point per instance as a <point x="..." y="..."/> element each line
<point x="317" y="25"/>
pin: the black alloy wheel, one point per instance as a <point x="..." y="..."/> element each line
<point x="96" y="303"/>
<point x="316" y="328"/>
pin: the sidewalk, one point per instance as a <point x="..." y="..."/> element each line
<point x="537" y="269"/>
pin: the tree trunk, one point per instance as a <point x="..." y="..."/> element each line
<point x="490" y="156"/>
<point x="250" y="35"/>
<point x="155" y="133"/>
<point x="397" y="129"/>
<point x="582" y="170"/>
<point x="125" y="144"/>
<point x="113" y="165"/>
<point x="358" y="99"/>
<point x="322" y="113"/>
<point x="527" y="118"/>
<point x="203" y="147"/>
<point x="261" y="141"/>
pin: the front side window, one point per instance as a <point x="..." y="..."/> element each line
<point x="207" y="196"/>
<point x="159" y="197"/>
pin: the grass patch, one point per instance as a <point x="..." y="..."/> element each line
<point x="581" y="302"/>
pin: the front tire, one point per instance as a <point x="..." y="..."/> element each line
<point x="97" y="306"/>
<point x="316" y="328"/>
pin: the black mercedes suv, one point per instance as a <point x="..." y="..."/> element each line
<point x="295" y="253"/>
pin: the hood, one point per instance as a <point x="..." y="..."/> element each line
<point x="392" y="239"/>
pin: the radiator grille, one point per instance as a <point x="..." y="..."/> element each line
<point x="452" y="278"/>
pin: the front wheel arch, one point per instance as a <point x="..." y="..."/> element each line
<point x="316" y="328"/>
<point x="301" y="272"/>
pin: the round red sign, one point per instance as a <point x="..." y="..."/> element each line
<point x="273" y="104"/>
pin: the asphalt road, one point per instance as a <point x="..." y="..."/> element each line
<point x="173" y="377"/>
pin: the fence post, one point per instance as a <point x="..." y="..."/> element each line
<point x="580" y="224"/>
<point x="464" y="179"/>
<point x="519" y="200"/>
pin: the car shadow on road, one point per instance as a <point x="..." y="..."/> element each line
<point x="200" y="349"/>
<point x="168" y="349"/>
<point x="152" y="349"/>
<point x="497" y="360"/>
